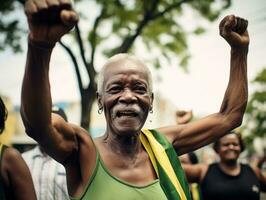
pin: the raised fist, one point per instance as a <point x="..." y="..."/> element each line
<point x="234" y="30"/>
<point x="49" y="20"/>
<point x="183" y="117"/>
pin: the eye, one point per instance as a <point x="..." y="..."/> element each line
<point x="140" y="89"/>
<point x="114" y="89"/>
<point x="235" y="144"/>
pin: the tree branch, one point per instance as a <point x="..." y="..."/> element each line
<point x="129" y="40"/>
<point x="74" y="60"/>
<point x="169" y="8"/>
<point x="90" y="70"/>
<point x="94" y="33"/>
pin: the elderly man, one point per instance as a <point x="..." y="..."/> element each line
<point x="128" y="162"/>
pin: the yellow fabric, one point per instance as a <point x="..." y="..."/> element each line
<point x="194" y="191"/>
<point x="145" y="143"/>
<point x="163" y="160"/>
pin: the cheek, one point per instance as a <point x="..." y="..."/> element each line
<point x="238" y="148"/>
<point x="146" y="102"/>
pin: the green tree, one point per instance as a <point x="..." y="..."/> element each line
<point x="255" y="116"/>
<point x="155" y="23"/>
<point x="9" y="27"/>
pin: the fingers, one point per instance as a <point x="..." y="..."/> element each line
<point x="233" y="23"/>
<point x="30" y="8"/>
<point x="240" y="26"/>
<point x="52" y="3"/>
<point x="234" y="30"/>
<point x="46" y="11"/>
<point x="69" y="18"/>
<point x="227" y="24"/>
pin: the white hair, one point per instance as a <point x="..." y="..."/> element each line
<point x="116" y="58"/>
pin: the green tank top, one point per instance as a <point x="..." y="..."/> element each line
<point x="2" y="194"/>
<point x="104" y="186"/>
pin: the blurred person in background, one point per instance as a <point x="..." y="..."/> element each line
<point x="49" y="176"/>
<point x="15" y="178"/>
<point x="227" y="179"/>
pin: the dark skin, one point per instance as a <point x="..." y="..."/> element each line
<point x="16" y="176"/>
<point x="14" y="172"/>
<point x="228" y="151"/>
<point x="126" y="101"/>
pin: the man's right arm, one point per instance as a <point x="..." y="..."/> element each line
<point x="36" y="100"/>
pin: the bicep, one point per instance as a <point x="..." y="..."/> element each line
<point x="59" y="140"/>
<point x="20" y="180"/>
<point x="191" y="136"/>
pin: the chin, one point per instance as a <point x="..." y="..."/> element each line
<point x="127" y="127"/>
<point x="128" y="130"/>
<point x="231" y="160"/>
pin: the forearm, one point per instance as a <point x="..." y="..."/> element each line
<point x="36" y="96"/>
<point x="236" y="95"/>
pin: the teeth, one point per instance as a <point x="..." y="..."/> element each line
<point x="126" y="113"/>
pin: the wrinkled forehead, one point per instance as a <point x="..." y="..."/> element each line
<point x="126" y="65"/>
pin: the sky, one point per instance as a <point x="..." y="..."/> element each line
<point x="201" y="89"/>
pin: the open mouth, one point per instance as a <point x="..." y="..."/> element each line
<point x="127" y="113"/>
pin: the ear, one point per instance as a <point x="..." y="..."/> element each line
<point x="152" y="98"/>
<point x="99" y="100"/>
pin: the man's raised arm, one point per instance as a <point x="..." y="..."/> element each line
<point x="234" y="31"/>
<point x="48" y="22"/>
<point x="196" y="134"/>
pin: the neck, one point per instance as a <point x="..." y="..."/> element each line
<point x="123" y="145"/>
<point x="230" y="167"/>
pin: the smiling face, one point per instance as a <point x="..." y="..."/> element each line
<point x="125" y="96"/>
<point x="229" y="148"/>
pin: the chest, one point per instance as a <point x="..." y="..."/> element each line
<point x="107" y="186"/>
<point x="137" y="172"/>
<point x="218" y="185"/>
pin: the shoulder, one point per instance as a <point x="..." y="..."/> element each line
<point x="11" y="155"/>
<point x="83" y="136"/>
<point x="11" y="158"/>
<point x="12" y="161"/>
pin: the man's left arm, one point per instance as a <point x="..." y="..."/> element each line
<point x="191" y="136"/>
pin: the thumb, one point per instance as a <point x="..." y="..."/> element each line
<point x="69" y="18"/>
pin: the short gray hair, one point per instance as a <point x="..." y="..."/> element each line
<point x="123" y="56"/>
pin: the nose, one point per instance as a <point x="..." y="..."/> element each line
<point x="231" y="146"/>
<point x="127" y="96"/>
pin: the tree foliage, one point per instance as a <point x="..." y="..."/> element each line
<point x="10" y="32"/>
<point x="255" y="116"/>
<point x="157" y="24"/>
